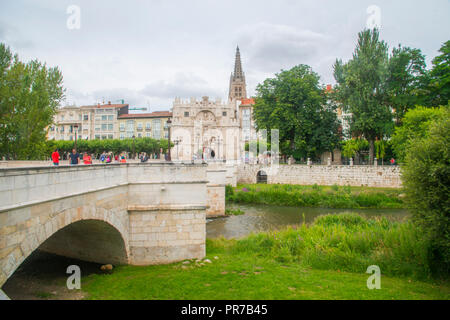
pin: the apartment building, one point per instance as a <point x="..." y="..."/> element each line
<point x="91" y="122"/>
<point x="145" y="125"/>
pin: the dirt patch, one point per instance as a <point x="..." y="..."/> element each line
<point x="42" y="276"/>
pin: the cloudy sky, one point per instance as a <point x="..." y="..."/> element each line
<point x="149" y="51"/>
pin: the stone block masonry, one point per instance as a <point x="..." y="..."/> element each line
<point x="369" y="176"/>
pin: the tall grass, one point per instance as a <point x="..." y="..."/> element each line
<point x="345" y="242"/>
<point x="339" y="197"/>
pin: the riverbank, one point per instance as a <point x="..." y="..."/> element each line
<point x="316" y="196"/>
<point x="326" y="260"/>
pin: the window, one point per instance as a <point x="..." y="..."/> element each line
<point x="139" y="126"/>
<point x="156" y="124"/>
<point x="104" y="137"/>
<point x="110" y="136"/>
<point x="139" y="135"/>
<point x="148" y="135"/>
<point x="111" y="118"/>
<point x="186" y="113"/>
<point x="62" y="129"/>
<point x="104" y="118"/>
<point x="62" y="118"/>
<point x="86" y="117"/>
<point x="224" y="113"/>
<point x="130" y="125"/>
<point x="110" y="127"/>
<point x="122" y="136"/>
<point x="147" y="126"/>
<point x="97" y="137"/>
<point x="122" y="126"/>
<point x="104" y="127"/>
<point x="97" y="128"/>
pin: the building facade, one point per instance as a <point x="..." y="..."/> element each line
<point x="145" y="125"/>
<point x="99" y="121"/>
<point x="205" y="129"/>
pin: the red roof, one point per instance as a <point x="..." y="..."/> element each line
<point x="156" y="114"/>
<point x="106" y="106"/>
<point x="247" y="101"/>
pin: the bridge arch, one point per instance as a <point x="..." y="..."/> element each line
<point x="85" y="232"/>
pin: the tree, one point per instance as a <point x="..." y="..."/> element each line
<point x="426" y="179"/>
<point x="362" y="89"/>
<point x="294" y="103"/>
<point x="29" y="96"/>
<point x="406" y="71"/>
<point x="415" y="124"/>
<point x="439" y="79"/>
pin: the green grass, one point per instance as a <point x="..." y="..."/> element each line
<point x="235" y="212"/>
<point x="326" y="260"/>
<point x="316" y="196"/>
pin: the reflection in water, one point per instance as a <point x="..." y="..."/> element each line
<point x="264" y="218"/>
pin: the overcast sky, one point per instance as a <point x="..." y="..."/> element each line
<point x="149" y="52"/>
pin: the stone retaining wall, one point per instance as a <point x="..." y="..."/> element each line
<point x="370" y="176"/>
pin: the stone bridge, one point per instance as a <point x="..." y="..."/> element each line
<point x="137" y="214"/>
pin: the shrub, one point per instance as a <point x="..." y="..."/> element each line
<point x="426" y="177"/>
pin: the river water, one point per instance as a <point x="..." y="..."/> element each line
<point x="264" y="218"/>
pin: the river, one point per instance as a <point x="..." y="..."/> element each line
<point x="264" y="218"/>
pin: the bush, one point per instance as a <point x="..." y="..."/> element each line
<point x="346" y="242"/>
<point x="426" y="177"/>
<point x="116" y="146"/>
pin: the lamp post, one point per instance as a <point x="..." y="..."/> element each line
<point x="177" y="142"/>
<point x="169" y="158"/>
<point x="219" y="140"/>
<point x="76" y="129"/>
<point x="134" y="148"/>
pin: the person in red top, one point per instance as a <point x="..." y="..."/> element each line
<point x="87" y="158"/>
<point x="55" y="157"/>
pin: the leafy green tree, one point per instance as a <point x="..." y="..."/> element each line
<point x="439" y="78"/>
<point x="29" y="96"/>
<point x="426" y="179"/>
<point x="294" y="103"/>
<point x="416" y="124"/>
<point x="406" y="70"/>
<point x="352" y="147"/>
<point x="362" y="89"/>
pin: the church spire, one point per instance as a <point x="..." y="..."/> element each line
<point x="238" y="65"/>
<point x="238" y="88"/>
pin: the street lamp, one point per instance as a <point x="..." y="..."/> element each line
<point x="169" y="123"/>
<point x="76" y="129"/>
<point x="134" y="148"/>
<point x="177" y="142"/>
<point x="219" y="140"/>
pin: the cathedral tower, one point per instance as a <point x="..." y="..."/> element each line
<point x="238" y="89"/>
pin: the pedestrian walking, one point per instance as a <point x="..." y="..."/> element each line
<point x="55" y="157"/>
<point x="87" y="159"/>
<point x="74" y="157"/>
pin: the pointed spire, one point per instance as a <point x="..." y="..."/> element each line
<point x="237" y="65"/>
